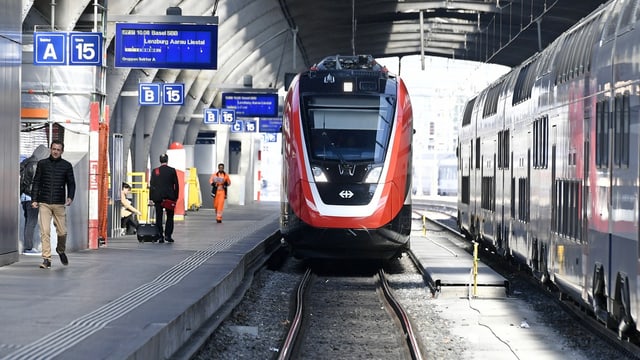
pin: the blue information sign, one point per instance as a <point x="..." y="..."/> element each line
<point x="227" y="116"/>
<point x="149" y="94"/>
<point x="170" y="46"/>
<point x="270" y="125"/>
<point x="85" y="48"/>
<point x="173" y="94"/>
<point x="50" y="48"/>
<point x="251" y="104"/>
<point x="210" y="116"/>
<point x="237" y="126"/>
<point x="250" y="126"/>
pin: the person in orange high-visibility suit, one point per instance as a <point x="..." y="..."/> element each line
<point x="219" y="182"/>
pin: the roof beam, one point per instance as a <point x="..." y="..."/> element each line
<point x="408" y="6"/>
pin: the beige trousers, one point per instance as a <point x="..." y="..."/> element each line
<point x="57" y="212"/>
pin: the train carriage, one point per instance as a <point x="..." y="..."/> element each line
<point x="347" y="135"/>
<point x="564" y="136"/>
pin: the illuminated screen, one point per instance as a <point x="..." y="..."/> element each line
<point x="166" y="46"/>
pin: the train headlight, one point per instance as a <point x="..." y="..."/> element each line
<point x="318" y="174"/>
<point x="374" y="175"/>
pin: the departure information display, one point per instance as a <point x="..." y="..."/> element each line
<point x="251" y="104"/>
<point x="166" y="46"/>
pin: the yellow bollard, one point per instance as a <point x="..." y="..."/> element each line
<point x="475" y="269"/>
<point x="194" y="200"/>
<point x="424" y="225"/>
<point x="140" y="191"/>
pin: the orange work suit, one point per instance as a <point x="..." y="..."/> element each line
<point x="219" y="182"/>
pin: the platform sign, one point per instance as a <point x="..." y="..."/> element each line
<point x="270" y="125"/>
<point x="227" y="116"/>
<point x="211" y="116"/>
<point x="237" y="126"/>
<point x="166" y="46"/>
<point x="173" y="94"/>
<point x="252" y="104"/>
<point x="50" y="48"/>
<point x="149" y="94"/>
<point x="67" y="48"/>
<point x="250" y="126"/>
<point x="85" y="48"/>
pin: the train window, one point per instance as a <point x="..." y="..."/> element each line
<point x="540" y="142"/>
<point x="488" y="198"/>
<point x="465" y="190"/>
<point x="513" y="198"/>
<point x="491" y="101"/>
<point x="602" y="134"/>
<point x="612" y="23"/>
<point x="348" y="128"/>
<point x="621" y="131"/>
<point x="566" y="202"/>
<point x="627" y="15"/>
<point x="524" y="83"/>
<point x="503" y="149"/>
<point x="561" y="65"/>
<point x="523" y="200"/>
<point x="468" y="111"/>
<point x="477" y="153"/>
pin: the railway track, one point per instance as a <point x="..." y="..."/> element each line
<point x="349" y="312"/>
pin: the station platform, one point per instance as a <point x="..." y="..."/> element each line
<point x="447" y="268"/>
<point x="131" y="300"/>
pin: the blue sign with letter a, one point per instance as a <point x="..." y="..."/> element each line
<point x="49" y="48"/>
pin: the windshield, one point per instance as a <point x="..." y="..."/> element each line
<point x="348" y="128"/>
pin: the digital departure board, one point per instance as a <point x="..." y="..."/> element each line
<point x="166" y="46"/>
<point x="252" y="104"/>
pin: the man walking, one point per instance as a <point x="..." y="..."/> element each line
<point x="53" y="188"/>
<point x="164" y="185"/>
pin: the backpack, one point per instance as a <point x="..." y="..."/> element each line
<point x="27" y="172"/>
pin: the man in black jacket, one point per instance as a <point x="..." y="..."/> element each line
<point x="164" y="185"/>
<point x="53" y="188"/>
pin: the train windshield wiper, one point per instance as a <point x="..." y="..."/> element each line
<point x="326" y="139"/>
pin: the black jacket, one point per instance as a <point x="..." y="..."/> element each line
<point x="163" y="184"/>
<point x="51" y="179"/>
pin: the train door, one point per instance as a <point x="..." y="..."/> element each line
<point x="554" y="252"/>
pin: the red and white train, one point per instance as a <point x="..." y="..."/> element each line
<point x="346" y="174"/>
<point x="549" y="172"/>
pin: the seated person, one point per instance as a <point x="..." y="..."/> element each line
<point x="128" y="213"/>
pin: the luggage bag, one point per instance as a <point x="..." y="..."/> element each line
<point x="148" y="232"/>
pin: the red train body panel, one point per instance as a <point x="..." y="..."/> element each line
<point x="347" y="134"/>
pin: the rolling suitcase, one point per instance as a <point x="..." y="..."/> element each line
<point x="148" y="232"/>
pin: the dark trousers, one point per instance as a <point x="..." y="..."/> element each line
<point x="168" y="227"/>
<point x="30" y="224"/>
<point x="130" y="224"/>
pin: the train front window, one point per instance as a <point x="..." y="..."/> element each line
<point x="348" y="128"/>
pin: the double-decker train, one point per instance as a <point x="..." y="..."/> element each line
<point x="549" y="169"/>
<point x="346" y="173"/>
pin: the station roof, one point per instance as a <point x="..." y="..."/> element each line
<point x="261" y="41"/>
<point x="492" y="31"/>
